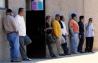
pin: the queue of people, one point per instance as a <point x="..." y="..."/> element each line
<point x="57" y="33"/>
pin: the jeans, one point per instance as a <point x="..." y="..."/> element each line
<point x="74" y="42"/>
<point x="13" y="39"/>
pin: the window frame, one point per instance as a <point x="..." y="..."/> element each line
<point x="6" y="5"/>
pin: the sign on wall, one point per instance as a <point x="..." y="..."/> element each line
<point x="37" y="4"/>
<point x="2" y="3"/>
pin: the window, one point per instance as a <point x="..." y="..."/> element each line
<point x="2" y="3"/>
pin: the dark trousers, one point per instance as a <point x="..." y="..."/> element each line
<point x="22" y="47"/>
<point x="64" y="46"/>
<point x="89" y="44"/>
<point x="81" y="42"/>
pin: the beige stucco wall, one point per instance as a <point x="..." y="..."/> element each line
<point x="88" y="8"/>
<point x="16" y="4"/>
<point x="64" y="7"/>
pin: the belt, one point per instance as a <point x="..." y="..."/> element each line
<point x="12" y="32"/>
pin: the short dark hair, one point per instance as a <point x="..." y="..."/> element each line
<point x="57" y="15"/>
<point x="20" y="9"/>
<point x="8" y="11"/>
<point x="90" y="19"/>
<point x="73" y="15"/>
<point x="47" y="17"/>
<point x="81" y="17"/>
<point x="61" y="17"/>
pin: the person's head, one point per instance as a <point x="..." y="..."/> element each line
<point x="21" y="11"/>
<point x="62" y="18"/>
<point x="90" y="20"/>
<point x="47" y="18"/>
<point x="8" y="12"/>
<point x="81" y="18"/>
<point x="57" y="17"/>
<point x="74" y="16"/>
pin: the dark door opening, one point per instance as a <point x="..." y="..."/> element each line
<point x="35" y="22"/>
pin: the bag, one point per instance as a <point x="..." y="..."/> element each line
<point x="51" y="38"/>
<point x="27" y="40"/>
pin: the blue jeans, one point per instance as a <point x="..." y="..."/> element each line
<point x="13" y="39"/>
<point x="74" y="42"/>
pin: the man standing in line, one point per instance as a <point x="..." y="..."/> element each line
<point x="22" y="33"/>
<point x="57" y="32"/>
<point x="64" y="35"/>
<point x="81" y="33"/>
<point x="12" y="36"/>
<point x="89" y="36"/>
<point x="74" y="30"/>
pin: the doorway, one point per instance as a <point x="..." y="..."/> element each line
<point x="35" y="22"/>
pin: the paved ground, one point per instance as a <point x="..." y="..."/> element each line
<point x="79" y="58"/>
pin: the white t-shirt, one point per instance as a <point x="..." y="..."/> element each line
<point x="90" y="30"/>
<point x="64" y="30"/>
<point x="21" y="25"/>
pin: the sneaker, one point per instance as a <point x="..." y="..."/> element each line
<point x="81" y="52"/>
<point x="67" y="53"/>
<point x="16" y="61"/>
<point x="53" y="56"/>
<point x="91" y="51"/>
<point x="75" y="53"/>
<point x="61" y="54"/>
<point x="27" y="59"/>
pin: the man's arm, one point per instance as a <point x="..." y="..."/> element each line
<point x="70" y="27"/>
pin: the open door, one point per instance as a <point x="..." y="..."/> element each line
<point x="35" y="22"/>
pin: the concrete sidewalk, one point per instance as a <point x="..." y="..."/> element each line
<point x="76" y="58"/>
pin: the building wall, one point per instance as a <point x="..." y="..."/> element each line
<point x="16" y="4"/>
<point x="64" y="7"/>
<point x="4" y="45"/>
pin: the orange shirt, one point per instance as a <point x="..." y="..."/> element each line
<point x="74" y="25"/>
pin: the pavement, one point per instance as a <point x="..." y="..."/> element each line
<point x="75" y="58"/>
